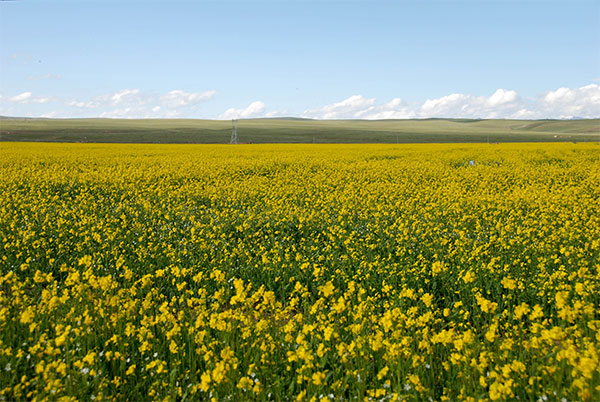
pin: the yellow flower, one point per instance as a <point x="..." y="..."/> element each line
<point x="382" y="373"/>
<point x="490" y="335"/>
<point x="486" y="305"/>
<point x="521" y="310"/>
<point x="173" y="347"/>
<point x="85" y="261"/>
<point x="27" y="315"/>
<point x="89" y="358"/>
<point x="130" y="370"/>
<point x="561" y="298"/>
<point x="318" y="378"/>
<point x="437" y="267"/>
<point x="508" y="283"/>
<point x="205" y="380"/>
<point x="427" y="299"/>
<point x="340" y="306"/>
<point x="60" y="340"/>
<point x="245" y="383"/>
<point x="327" y="289"/>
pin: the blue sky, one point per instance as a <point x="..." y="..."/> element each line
<point x="319" y="59"/>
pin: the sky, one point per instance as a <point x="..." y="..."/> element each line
<point x="314" y="59"/>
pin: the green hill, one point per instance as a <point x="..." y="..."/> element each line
<point x="290" y="130"/>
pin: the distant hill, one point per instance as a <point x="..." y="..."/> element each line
<point x="297" y="130"/>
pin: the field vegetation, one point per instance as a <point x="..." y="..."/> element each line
<point x="300" y="272"/>
<point x="298" y="131"/>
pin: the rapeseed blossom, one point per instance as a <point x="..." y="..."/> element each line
<point x="299" y="272"/>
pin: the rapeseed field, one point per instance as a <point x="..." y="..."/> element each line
<point x="300" y="272"/>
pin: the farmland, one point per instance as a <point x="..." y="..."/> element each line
<point x="300" y="272"/>
<point x="194" y="131"/>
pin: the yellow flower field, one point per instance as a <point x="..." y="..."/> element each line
<point x="300" y="272"/>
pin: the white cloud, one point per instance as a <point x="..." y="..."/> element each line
<point x="140" y="113"/>
<point x="524" y="114"/>
<point x="255" y="109"/>
<point x="565" y="103"/>
<point x="562" y="103"/>
<point x="179" y="98"/>
<point x="41" y="100"/>
<point x="27" y="97"/>
<point x="394" y="109"/>
<point x="359" y="107"/>
<point x="81" y="104"/>
<point x="502" y="97"/>
<point x="133" y="103"/>
<point x="277" y="113"/>
<point x="352" y="107"/>
<point x="502" y="103"/>
<point x="559" y="104"/>
<point x="127" y="96"/>
<point x="445" y="104"/>
<point x="21" y="98"/>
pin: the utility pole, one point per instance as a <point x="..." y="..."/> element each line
<point x="234" y="136"/>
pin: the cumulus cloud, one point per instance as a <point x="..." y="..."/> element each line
<point x="125" y="103"/>
<point x="127" y="96"/>
<point x="348" y="108"/>
<point x="565" y="103"/>
<point x="359" y="107"/>
<point x="133" y="103"/>
<point x="502" y="103"/>
<point x="394" y="109"/>
<point x="562" y="103"/>
<point x="179" y="98"/>
<point x="27" y="97"/>
<point x="126" y="99"/>
<point x="502" y="97"/>
<point x="277" y="113"/>
<point x="255" y="109"/>
<point x="138" y="113"/>
<point x="81" y="104"/>
<point x="21" y="97"/>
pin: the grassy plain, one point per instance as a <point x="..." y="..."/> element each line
<point x="300" y="272"/>
<point x="298" y="131"/>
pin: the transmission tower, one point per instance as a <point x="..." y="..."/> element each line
<point x="234" y="138"/>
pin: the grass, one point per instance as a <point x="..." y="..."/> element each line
<point x="196" y="131"/>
